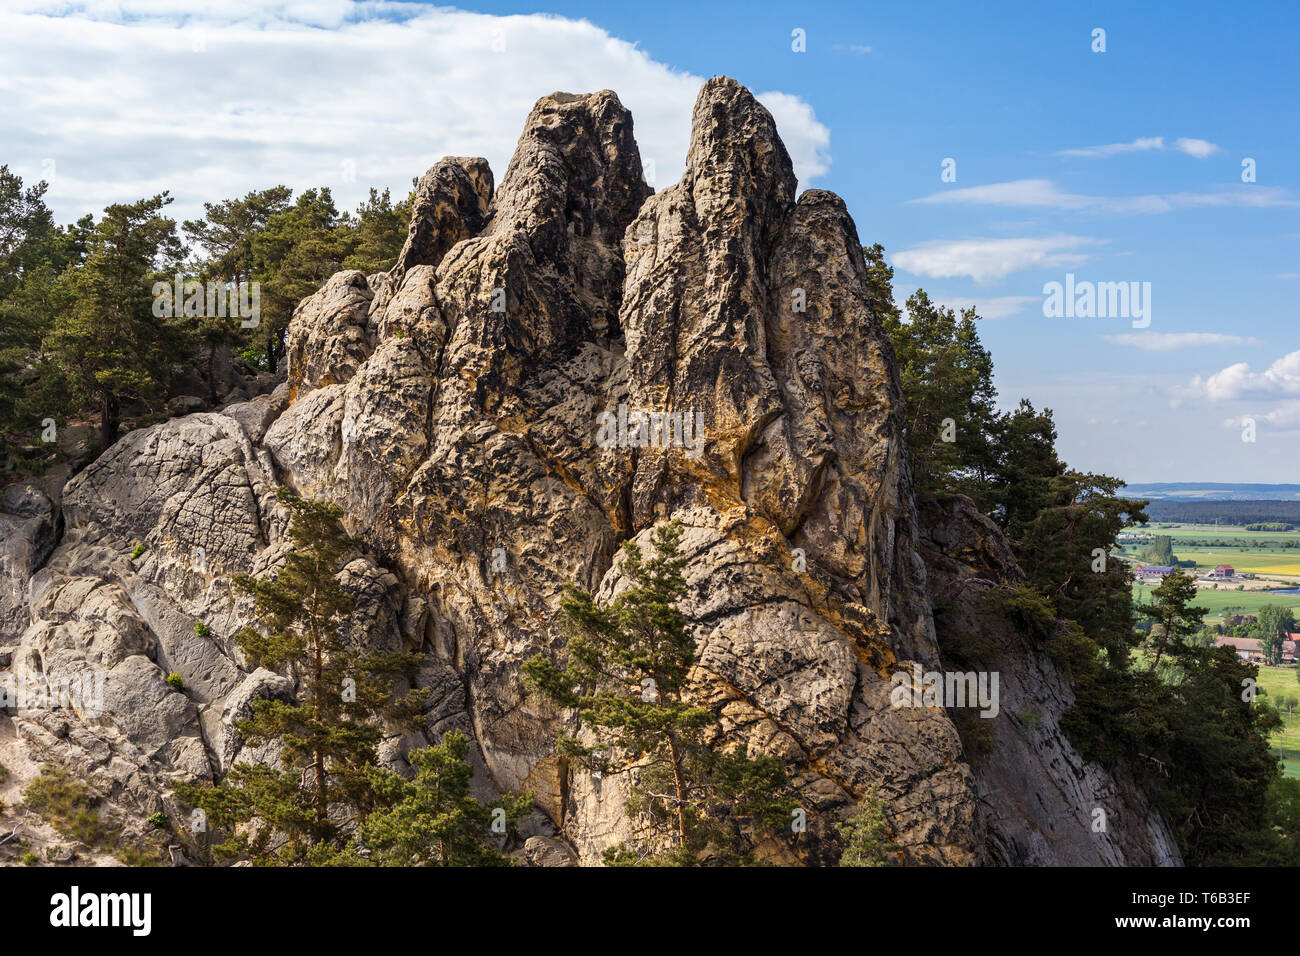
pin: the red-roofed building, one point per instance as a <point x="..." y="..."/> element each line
<point x="1222" y="571"/>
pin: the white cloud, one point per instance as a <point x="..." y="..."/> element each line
<point x="1043" y="193"/>
<point x="809" y="146"/>
<point x="987" y="259"/>
<point x="1020" y="192"/>
<point x="1114" y="149"/>
<point x="117" y="99"/>
<point x="1200" y="148"/>
<point x="1168" y="341"/>
<point x="1285" y="417"/>
<point x="1281" y="379"/>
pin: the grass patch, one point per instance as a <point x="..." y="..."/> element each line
<point x="66" y="804"/>
<point x="131" y="855"/>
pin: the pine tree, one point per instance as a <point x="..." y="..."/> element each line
<point x="947" y="380"/>
<point x="227" y="232"/>
<point x="300" y="247"/>
<point x="627" y="676"/>
<point x="110" y="347"/>
<point x="867" y="834"/>
<point x="1026" y="471"/>
<point x="229" y="228"/>
<point x="1174" y="620"/>
<point x="34" y="254"/>
<point x="26" y="225"/>
<point x="1063" y="542"/>
<point x="378" y="233"/>
<point x="433" y="820"/>
<point x="329" y="733"/>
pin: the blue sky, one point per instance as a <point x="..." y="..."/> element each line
<point x="1122" y="166"/>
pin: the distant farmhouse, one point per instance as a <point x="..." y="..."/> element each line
<point x="1247" y="648"/>
<point x="1152" y="572"/>
<point x="1135" y="537"/>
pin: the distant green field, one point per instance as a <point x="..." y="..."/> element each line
<point x="1220" y="532"/>
<point x="1248" y="602"/>
<point x="1285" y="743"/>
<point x="1260" y="552"/>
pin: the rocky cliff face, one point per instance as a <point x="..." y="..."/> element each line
<point x="454" y="407"/>
<point x="1042" y="803"/>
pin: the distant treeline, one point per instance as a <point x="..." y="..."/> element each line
<point x="1225" y="512"/>
<point x="1209" y="490"/>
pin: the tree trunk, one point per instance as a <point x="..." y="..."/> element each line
<point x="318" y="757"/>
<point x="1160" y="650"/>
<point x="109" y="408"/>
<point x="680" y="784"/>
<point x="212" y="385"/>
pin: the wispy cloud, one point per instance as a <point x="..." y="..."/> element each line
<point x="313" y="92"/>
<point x="1200" y="148"/>
<point x="986" y="259"/>
<point x="993" y="307"/>
<point x="1169" y="341"/>
<point x="1116" y="149"/>
<point x="1286" y="417"/>
<point x="1043" y="193"/>
<point x="1283" y="418"/>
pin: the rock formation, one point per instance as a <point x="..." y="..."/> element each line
<point x="453" y="407"/>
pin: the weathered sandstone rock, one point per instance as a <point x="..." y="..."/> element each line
<point x="457" y="408"/>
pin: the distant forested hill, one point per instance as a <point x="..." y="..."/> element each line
<point x="1212" y="491"/>
<point x="1223" y="512"/>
